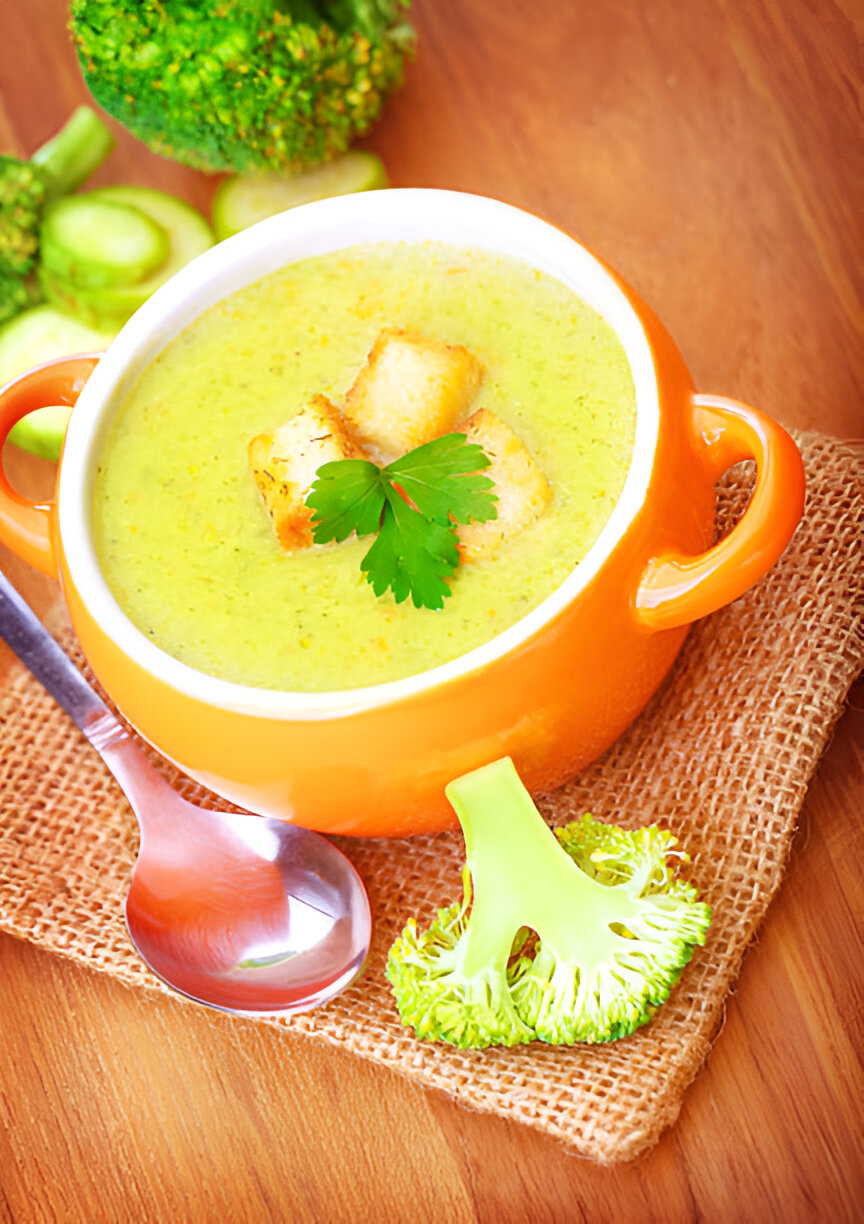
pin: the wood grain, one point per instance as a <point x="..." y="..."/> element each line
<point x="712" y="154"/>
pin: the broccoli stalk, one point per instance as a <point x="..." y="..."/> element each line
<point x="76" y="152"/>
<point x="242" y="85"/>
<point x="26" y="187"/>
<point x="577" y="935"/>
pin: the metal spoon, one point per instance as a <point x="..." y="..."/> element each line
<point x="238" y="912"/>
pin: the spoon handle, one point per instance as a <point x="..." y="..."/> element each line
<point x="24" y="633"/>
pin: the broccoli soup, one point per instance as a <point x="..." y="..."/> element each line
<point x="371" y="350"/>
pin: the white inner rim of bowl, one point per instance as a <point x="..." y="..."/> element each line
<point x="315" y="229"/>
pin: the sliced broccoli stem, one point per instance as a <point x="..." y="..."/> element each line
<point x="612" y="927"/>
<point x="522" y="878"/>
<point x="78" y="149"/>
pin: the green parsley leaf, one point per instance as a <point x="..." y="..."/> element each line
<point x="442" y="480"/>
<point x="347" y="495"/>
<point x="411" y="556"/>
<point x="412" y="505"/>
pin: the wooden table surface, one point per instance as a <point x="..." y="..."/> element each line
<point x="710" y="151"/>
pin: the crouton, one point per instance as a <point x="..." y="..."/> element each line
<point x="410" y="390"/>
<point x="523" y="491"/>
<point x="284" y="464"/>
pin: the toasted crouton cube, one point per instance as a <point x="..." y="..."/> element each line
<point x="284" y="464"/>
<point x="523" y="491"/>
<point x="410" y="390"/>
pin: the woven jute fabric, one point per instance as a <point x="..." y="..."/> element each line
<point x="722" y="756"/>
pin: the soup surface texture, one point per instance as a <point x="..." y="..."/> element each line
<point x="183" y="537"/>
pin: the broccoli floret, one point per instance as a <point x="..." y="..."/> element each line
<point x="546" y="945"/>
<point x="26" y="187"/>
<point x="23" y="194"/>
<point x="241" y="85"/>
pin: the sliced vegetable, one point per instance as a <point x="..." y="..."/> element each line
<point x="35" y="336"/>
<point x="42" y="432"/>
<point x="244" y="199"/>
<point x="94" y="242"/>
<point x="576" y="939"/>
<point x="110" y="306"/>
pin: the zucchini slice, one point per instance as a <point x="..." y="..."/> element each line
<point x="109" y="306"/>
<point x="32" y="337"/>
<point x="242" y="200"/>
<point x="94" y="243"/>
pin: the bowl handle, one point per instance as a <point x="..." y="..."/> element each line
<point x="676" y="589"/>
<point x="25" y="526"/>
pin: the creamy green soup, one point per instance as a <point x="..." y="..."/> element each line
<point x="186" y="543"/>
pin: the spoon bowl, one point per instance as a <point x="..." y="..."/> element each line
<point x="245" y="913"/>
<point x="239" y="912"/>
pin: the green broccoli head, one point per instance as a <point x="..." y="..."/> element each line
<point x="17" y="294"/>
<point x="23" y="194"/>
<point x="241" y="85"/>
<point x="447" y="991"/>
<point x="559" y="947"/>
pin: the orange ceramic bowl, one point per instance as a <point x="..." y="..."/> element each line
<point x="555" y="689"/>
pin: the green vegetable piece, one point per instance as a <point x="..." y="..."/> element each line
<point x="417" y="546"/>
<point x="243" y="85"/>
<point x="347" y="495"/>
<point x="93" y="242"/>
<point x="23" y="194"/>
<point x="35" y="336"/>
<point x="77" y="151"/>
<point x="42" y="432"/>
<point x="577" y="935"/>
<point x="442" y="478"/>
<point x="17" y="294"/>
<point x="63" y="296"/>
<point x="26" y="187"/>
<point x="411" y="556"/>
<point x="109" y="306"/>
<point x="242" y="200"/>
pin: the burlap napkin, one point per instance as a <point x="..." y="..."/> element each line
<point x="722" y="756"/>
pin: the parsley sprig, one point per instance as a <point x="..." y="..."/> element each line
<point x="412" y="506"/>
